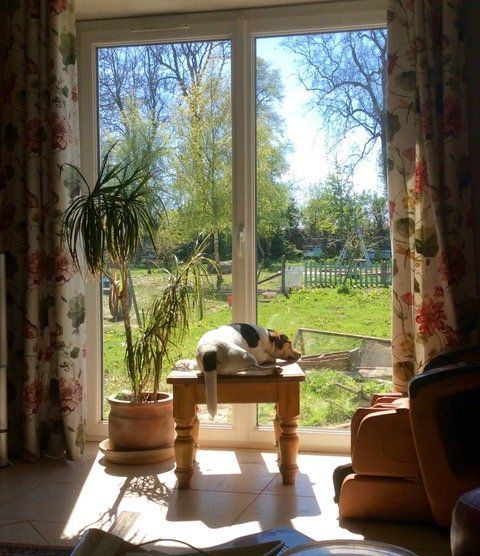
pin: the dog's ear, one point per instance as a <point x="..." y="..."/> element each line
<point x="272" y="336"/>
<point x="277" y="338"/>
<point x="282" y="340"/>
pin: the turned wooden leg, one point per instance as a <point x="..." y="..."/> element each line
<point x="276" y="428"/>
<point x="184" y="413"/>
<point x="196" y="428"/>
<point x="288" y="410"/>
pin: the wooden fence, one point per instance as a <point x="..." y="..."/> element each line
<point x="354" y="273"/>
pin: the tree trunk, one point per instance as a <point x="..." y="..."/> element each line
<point x="216" y="257"/>
<point x="124" y="301"/>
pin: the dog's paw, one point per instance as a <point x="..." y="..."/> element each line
<point x="265" y="369"/>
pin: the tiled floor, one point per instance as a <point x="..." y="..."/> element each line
<point x="233" y="493"/>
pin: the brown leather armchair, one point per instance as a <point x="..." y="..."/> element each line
<point x="413" y="456"/>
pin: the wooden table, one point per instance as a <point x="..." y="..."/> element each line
<point x="283" y="389"/>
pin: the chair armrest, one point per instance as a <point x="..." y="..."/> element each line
<point x="384" y="445"/>
<point x="387" y="397"/>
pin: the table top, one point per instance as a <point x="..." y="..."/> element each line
<point x="286" y="372"/>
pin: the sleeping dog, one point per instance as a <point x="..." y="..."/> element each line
<point x="239" y="347"/>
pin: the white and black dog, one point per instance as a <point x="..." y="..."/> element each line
<point x="240" y="347"/>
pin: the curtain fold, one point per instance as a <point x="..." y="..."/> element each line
<point x="46" y="302"/>
<point x="433" y="218"/>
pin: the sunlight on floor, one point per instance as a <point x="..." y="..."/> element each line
<point x="233" y="493"/>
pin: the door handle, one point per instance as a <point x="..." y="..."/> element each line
<point x="241" y="242"/>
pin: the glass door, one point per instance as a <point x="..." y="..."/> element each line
<point x="323" y="258"/>
<point x="218" y="107"/>
<point x="167" y="107"/>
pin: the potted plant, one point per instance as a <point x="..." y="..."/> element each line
<point x="104" y="228"/>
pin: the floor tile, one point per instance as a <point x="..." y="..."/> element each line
<point x="55" y="533"/>
<point x="271" y="511"/>
<point x="412" y="536"/>
<point x="233" y="493"/>
<point x="194" y="532"/>
<point x="53" y="500"/>
<point x="19" y="531"/>
<point x="252" y="478"/>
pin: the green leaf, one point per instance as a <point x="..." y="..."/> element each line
<point x="406" y="81"/>
<point x="426" y="242"/>
<point x="67" y="48"/>
<point x="76" y="312"/>
<point x="405" y="227"/>
<point x="393" y="125"/>
<point x="45" y="304"/>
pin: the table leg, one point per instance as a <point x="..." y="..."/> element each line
<point x="186" y="426"/>
<point x="288" y="410"/>
<point x="196" y="429"/>
<point x="276" y="428"/>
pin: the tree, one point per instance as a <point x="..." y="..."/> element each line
<point x="202" y="163"/>
<point x="333" y="212"/>
<point x="274" y="198"/>
<point x="346" y="74"/>
<point x="377" y="228"/>
<point x="141" y="90"/>
<point x="338" y="216"/>
<point x="170" y="105"/>
<point x="132" y="112"/>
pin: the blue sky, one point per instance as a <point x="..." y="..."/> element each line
<point x="309" y="159"/>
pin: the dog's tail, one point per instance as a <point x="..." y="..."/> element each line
<point x="209" y="360"/>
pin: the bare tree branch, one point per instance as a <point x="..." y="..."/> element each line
<point x="345" y="72"/>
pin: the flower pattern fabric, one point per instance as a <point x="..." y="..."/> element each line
<point x="435" y="291"/>
<point x="46" y="302"/>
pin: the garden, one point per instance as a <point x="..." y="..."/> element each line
<point x="329" y="396"/>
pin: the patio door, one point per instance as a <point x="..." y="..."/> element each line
<point x="181" y="94"/>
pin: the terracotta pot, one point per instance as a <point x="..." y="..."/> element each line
<point x="141" y="426"/>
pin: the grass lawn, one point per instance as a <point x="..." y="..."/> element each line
<point x="360" y="311"/>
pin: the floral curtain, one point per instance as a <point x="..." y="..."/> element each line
<point x="435" y="290"/>
<point x="46" y="303"/>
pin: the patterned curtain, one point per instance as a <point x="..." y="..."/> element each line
<point x="435" y="290"/>
<point x="46" y="303"/>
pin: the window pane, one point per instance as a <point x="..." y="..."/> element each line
<point x="168" y="107"/>
<point x="323" y="256"/>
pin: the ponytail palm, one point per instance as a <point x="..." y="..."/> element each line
<point x="106" y="224"/>
<point x="109" y="219"/>
<point x="165" y="323"/>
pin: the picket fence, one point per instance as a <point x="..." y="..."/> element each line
<point x="319" y="274"/>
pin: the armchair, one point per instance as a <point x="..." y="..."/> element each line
<point x="413" y="456"/>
